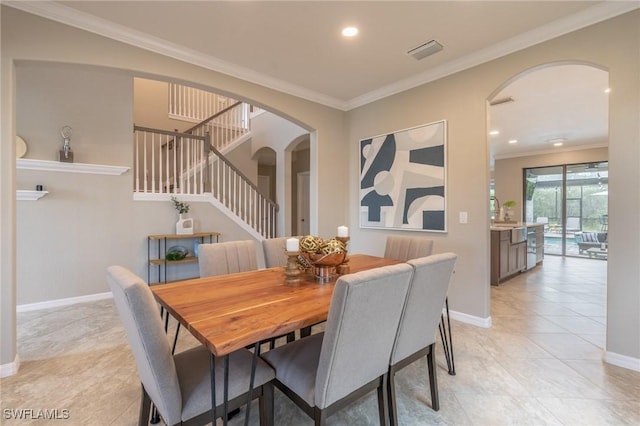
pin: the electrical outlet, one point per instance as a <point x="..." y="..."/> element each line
<point x="464" y="217"/>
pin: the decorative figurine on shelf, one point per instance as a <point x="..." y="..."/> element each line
<point x="184" y="226"/>
<point x="65" y="155"/>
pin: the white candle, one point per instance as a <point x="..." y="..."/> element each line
<point x="293" y="244"/>
<point x="343" y="231"/>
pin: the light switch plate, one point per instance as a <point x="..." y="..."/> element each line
<point x="464" y="217"/>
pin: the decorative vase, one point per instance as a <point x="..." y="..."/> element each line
<point x="184" y="226"/>
<point x="509" y="214"/>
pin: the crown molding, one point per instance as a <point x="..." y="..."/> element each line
<point x="84" y="21"/>
<point x="69" y="16"/>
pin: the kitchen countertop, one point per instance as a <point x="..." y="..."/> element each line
<point x="502" y="226"/>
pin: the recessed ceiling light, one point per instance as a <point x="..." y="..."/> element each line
<point x="557" y="144"/>
<point x="513" y="141"/>
<point x="349" y="31"/>
<point x="607" y="90"/>
<point x="494" y="132"/>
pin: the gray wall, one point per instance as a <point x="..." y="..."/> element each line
<point x="151" y="98"/>
<point x="87" y="222"/>
<point x="460" y="98"/>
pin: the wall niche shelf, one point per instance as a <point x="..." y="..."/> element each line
<point x="56" y="166"/>
<point x="26" y="195"/>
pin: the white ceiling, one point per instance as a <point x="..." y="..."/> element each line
<point x="296" y="46"/>
<point x="565" y="102"/>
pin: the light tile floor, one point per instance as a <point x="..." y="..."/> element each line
<point x="540" y="363"/>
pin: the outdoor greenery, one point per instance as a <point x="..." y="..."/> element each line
<point x="547" y="202"/>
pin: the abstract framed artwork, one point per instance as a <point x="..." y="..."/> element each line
<point x="403" y="177"/>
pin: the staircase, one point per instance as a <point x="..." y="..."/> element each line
<point x="191" y="164"/>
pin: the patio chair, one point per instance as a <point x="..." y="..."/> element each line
<point x="573" y="224"/>
<point x="544" y="220"/>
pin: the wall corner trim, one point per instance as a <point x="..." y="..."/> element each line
<point x="10" y="368"/>
<point x="623" y="361"/>
<point x="470" y="319"/>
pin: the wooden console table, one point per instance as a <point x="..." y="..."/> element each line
<point x="160" y="262"/>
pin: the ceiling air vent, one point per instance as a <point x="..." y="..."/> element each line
<point x="501" y="101"/>
<point x="424" y="50"/>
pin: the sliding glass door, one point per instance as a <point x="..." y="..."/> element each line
<point x="571" y="201"/>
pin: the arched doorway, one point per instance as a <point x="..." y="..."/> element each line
<point x="548" y="147"/>
<point x="555" y="118"/>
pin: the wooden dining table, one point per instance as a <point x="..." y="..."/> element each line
<point x="230" y="312"/>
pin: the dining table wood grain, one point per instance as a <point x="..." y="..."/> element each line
<point x="229" y="312"/>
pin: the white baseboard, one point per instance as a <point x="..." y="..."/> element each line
<point x="63" y="302"/>
<point x="470" y="319"/>
<point x="11" y="368"/>
<point x="622" y="361"/>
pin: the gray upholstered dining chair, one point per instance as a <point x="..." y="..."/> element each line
<point x="227" y="257"/>
<point x="407" y="248"/>
<point x="274" y="249"/>
<point x="180" y="385"/>
<point x="324" y="372"/>
<point x="420" y="317"/>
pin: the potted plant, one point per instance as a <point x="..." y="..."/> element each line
<point x="180" y="206"/>
<point x="184" y="225"/>
<point x="508" y="210"/>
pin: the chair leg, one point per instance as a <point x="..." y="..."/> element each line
<point x="266" y="405"/>
<point x="319" y="417"/>
<point x="433" y="380"/>
<point x="453" y="365"/>
<point x="393" y="403"/>
<point x="145" y="408"/>
<point x="155" y="417"/>
<point x="447" y="340"/>
<point x="383" y="400"/>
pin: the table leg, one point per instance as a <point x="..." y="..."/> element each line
<point x="212" y="367"/>
<point x="175" y="339"/>
<point x="225" y="405"/>
<point x="254" y="362"/>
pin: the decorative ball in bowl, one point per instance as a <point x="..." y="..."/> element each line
<point x="176" y="253"/>
<point x="329" y="259"/>
<point x="323" y="255"/>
